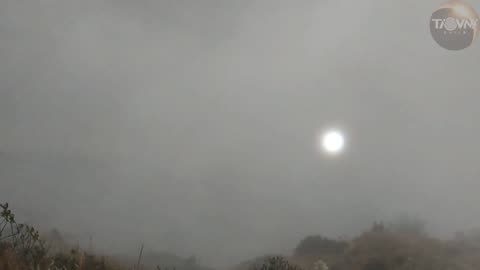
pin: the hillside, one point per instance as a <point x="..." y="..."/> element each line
<point x="24" y="248"/>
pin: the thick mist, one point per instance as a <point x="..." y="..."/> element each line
<point x="190" y="125"/>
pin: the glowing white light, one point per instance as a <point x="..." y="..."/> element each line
<point x="332" y="141"/>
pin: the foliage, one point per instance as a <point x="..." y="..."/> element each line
<point x="402" y="246"/>
<point x="375" y="265"/>
<point x="64" y="261"/>
<point x="320" y="265"/>
<point x="378" y="227"/>
<point x="276" y="263"/>
<point x="24" y="240"/>
<point x="395" y="251"/>
<point x="318" y="246"/>
<point x="21" y="248"/>
<point x="165" y="268"/>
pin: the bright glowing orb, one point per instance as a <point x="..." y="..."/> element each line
<point x="332" y="142"/>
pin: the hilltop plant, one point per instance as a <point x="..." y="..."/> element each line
<point x="276" y="263"/>
<point x="23" y="239"/>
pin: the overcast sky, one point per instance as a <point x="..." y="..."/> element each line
<point x="191" y="125"/>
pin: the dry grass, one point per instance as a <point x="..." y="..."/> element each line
<point x="78" y="261"/>
<point x="398" y="251"/>
<point x="379" y="249"/>
<point x="370" y="251"/>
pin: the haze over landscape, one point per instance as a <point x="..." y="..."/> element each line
<point x="191" y="126"/>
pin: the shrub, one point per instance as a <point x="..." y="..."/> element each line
<point x="276" y="263"/>
<point x="316" y="246"/>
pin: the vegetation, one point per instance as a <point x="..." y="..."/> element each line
<point x="276" y="263"/>
<point x="400" y="246"/>
<point x="319" y="246"/>
<point x="20" y="240"/>
<point x="21" y="248"/>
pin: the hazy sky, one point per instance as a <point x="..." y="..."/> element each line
<point x="190" y="125"/>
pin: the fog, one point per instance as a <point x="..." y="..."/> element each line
<point x="190" y="125"/>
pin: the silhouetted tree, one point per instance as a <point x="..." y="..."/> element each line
<point x="318" y="245"/>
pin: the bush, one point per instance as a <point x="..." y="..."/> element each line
<point x="22" y="240"/>
<point x="375" y="265"/>
<point x="276" y="263"/>
<point x="315" y="246"/>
